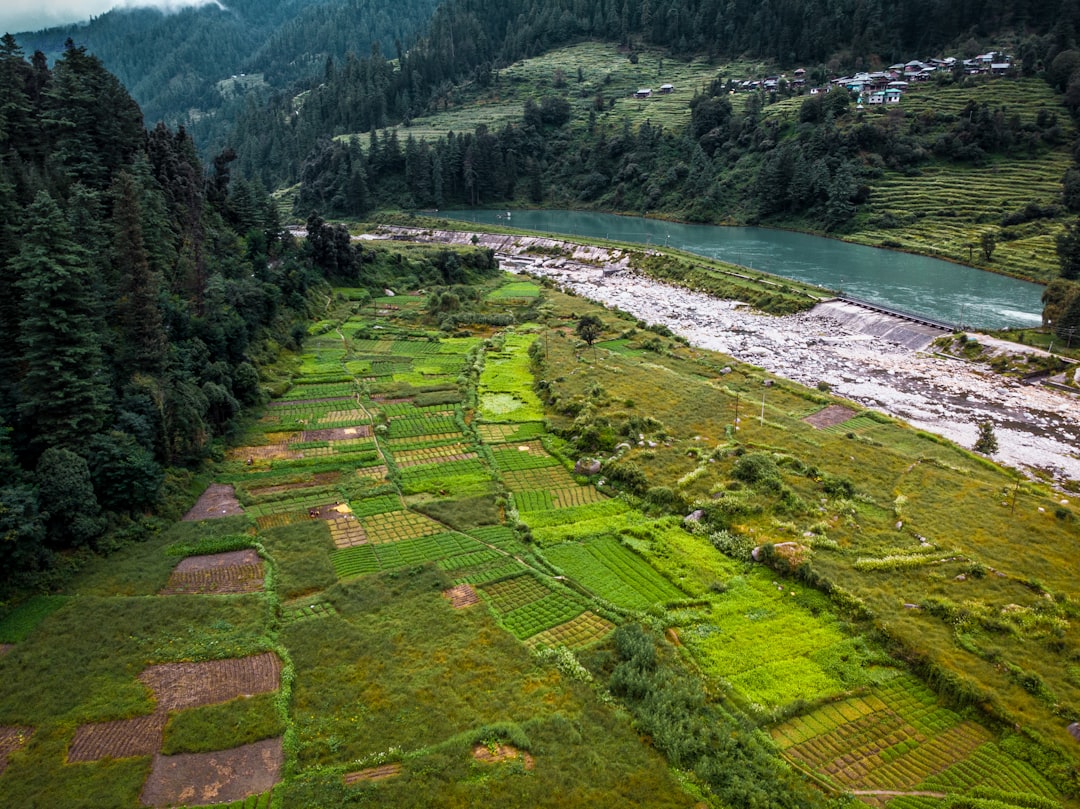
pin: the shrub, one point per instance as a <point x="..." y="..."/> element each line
<point x="757" y="468"/>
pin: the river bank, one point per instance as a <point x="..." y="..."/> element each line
<point x="1037" y="428"/>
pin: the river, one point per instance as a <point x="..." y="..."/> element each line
<point x="939" y="290"/>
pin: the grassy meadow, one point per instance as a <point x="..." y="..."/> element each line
<point x="450" y="596"/>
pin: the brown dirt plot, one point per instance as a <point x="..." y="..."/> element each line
<point x="372" y="774"/>
<point x="123" y="738"/>
<point x="461" y="596"/>
<point x="497" y="753"/>
<point x="12" y="738"/>
<point x="177" y="686"/>
<point x="5" y="648"/>
<point x="232" y="572"/>
<point x="221" y="777"/>
<point x="337" y="433"/>
<point x="829" y="416"/>
<point x="219" y="500"/>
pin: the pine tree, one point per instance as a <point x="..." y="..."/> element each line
<point x="143" y="342"/>
<point x="63" y="388"/>
<point x="987" y="442"/>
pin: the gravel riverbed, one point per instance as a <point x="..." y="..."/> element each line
<point x="1036" y="427"/>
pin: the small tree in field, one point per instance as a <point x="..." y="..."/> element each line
<point x="987" y="442"/>
<point x="589" y="328"/>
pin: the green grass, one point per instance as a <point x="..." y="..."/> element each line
<point x="222" y="726"/>
<point x="18" y="623"/>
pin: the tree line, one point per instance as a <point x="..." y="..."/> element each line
<point x="139" y="295"/>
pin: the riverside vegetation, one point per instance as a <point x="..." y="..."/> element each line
<point x="891" y="645"/>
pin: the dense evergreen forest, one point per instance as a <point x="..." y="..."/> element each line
<point x="180" y="66"/>
<point x="137" y="297"/>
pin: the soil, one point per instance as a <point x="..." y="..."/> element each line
<point x="461" y="596"/>
<point x="372" y="774"/>
<point x="337" y="433"/>
<point x="219" y="500"/>
<point x="232" y="572"/>
<point x="221" y="777"/>
<point x="12" y="738"/>
<point x="502" y="752"/>
<point x="5" y="648"/>
<point x="830" y="416"/>
<point x="123" y="738"/>
<point x="177" y="686"/>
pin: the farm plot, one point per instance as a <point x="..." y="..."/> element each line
<point x="515" y="292"/>
<point x="177" y="686"/>
<point x="347" y="532"/>
<point x="584" y="630"/>
<point x="219" y="573"/>
<point x="364" y="559"/>
<point x="413" y="426"/>
<point x="315" y="392"/>
<point x="518" y="458"/>
<point x="613" y="572"/>
<point x="767" y="648"/>
<point x="543" y="517"/>
<point x="544" y="613"/>
<point x="505" y="387"/>
<point x="989" y="766"/>
<point x="461" y="596"/>
<point x="898" y="737"/>
<point x="303" y="611"/>
<point x="526" y="606"/>
<point x="500" y="433"/>
<point x="394" y="526"/>
<point x="548" y="478"/>
<point x="124" y="738"/>
<point x="12" y="738"/>
<point x="220" y="777"/>
<point x="498" y="536"/>
<point x="452" y="477"/>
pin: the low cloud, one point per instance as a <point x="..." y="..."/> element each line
<point x="31" y="15"/>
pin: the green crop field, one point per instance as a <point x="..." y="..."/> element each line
<point x="612" y="572"/>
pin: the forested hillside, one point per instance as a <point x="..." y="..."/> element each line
<point x="185" y="67"/>
<point x="137" y="298"/>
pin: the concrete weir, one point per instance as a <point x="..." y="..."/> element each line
<point x="914" y="334"/>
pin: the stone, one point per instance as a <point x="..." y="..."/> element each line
<point x="587" y="466"/>
<point x="694" y="516"/>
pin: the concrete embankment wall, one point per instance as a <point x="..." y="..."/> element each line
<point x="915" y="336"/>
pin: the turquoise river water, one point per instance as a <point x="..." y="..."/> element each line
<point x="936" y="289"/>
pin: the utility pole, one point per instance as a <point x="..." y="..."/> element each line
<point x="763" y="408"/>
<point x="736" y="411"/>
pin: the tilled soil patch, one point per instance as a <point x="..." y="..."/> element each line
<point x="123" y="738"/>
<point x="338" y="433"/>
<point x="218" y="573"/>
<point x="177" y="686"/>
<point x="829" y="416"/>
<point x="497" y="753"/>
<point x="461" y="596"/>
<point x="12" y="738"/>
<point x="219" y="500"/>
<point x="380" y="773"/>
<point x="221" y="777"/>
